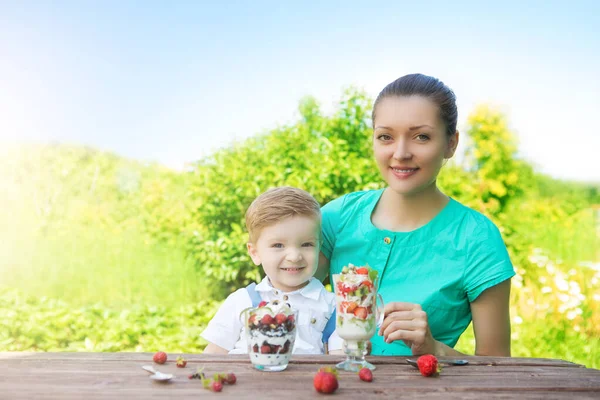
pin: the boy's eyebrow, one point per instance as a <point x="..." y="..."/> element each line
<point x="277" y="239"/>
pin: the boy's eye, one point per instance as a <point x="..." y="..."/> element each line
<point x="277" y="245"/>
<point x="308" y="244"/>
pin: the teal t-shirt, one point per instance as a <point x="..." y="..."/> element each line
<point x="443" y="265"/>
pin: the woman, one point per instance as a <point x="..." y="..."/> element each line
<point x="441" y="263"/>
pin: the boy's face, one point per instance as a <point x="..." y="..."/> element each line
<point x="288" y="251"/>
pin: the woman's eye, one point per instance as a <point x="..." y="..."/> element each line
<point x="383" y="137"/>
<point x="277" y="245"/>
<point x="422" y="137"/>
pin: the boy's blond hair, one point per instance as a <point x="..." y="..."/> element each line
<point x="277" y="204"/>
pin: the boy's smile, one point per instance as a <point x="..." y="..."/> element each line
<point x="288" y="251"/>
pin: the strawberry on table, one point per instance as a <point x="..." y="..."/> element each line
<point x="231" y="378"/>
<point x="217" y="386"/>
<point x="428" y="365"/>
<point x="181" y="362"/>
<point x="325" y="381"/>
<point x="160" y="357"/>
<point x="365" y="374"/>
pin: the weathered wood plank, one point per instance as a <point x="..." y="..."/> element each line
<point x="119" y="375"/>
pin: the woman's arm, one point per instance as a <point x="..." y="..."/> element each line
<point x="491" y="325"/>
<point x="491" y="321"/>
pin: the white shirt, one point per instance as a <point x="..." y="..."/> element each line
<point x="313" y="302"/>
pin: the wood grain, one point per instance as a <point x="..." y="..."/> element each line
<point x="119" y="375"/>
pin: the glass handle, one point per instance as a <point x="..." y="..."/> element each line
<point x="380" y="311"/>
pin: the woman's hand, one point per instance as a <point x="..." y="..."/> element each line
<point x="408" y="322"/>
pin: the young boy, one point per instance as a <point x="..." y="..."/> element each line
<point x="284" y="226"/>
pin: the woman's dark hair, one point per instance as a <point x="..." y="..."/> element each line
<point x="425" y="86"/>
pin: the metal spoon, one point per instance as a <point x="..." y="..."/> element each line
<point x="156" y="375"/>
<point x="413" y="362"/>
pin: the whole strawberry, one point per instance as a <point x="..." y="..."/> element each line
<point x="216" y="386"/>
<point x="231" y="378"/>
<point x="160" y="357"/>
<point x="428" y="365"/>
<point x="210" y="384"/>
<point x="365" y="374"/>
<point x="181" y="362"/>
<point x="325" y="380"/>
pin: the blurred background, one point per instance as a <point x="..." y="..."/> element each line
<point x="134" y="134"/>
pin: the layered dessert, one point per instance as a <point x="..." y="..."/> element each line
<point x="270" y="333"/>
<point x="356" y="300"/>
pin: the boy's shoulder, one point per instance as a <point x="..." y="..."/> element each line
<point x="316" y="291"/>
<point x="239" y="299"/>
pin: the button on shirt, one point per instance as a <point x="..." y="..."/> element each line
<point x="313" y="302"/>
<point x="443" y="266"/>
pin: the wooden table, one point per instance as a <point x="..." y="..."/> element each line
<point x="119" y="375"/>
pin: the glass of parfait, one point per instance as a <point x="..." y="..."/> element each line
<point x="270" y="334"/>
<point x="359" y="313"/>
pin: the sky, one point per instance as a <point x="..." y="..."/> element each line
<point x="172" y="81"/>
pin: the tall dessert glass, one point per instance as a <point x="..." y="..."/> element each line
<point x="358" y="313"/>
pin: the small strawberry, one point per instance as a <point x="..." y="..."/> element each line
<point x="280" y="318"/>
<point x="265" y="349"/>
<point x="326" y="382"/>
<point x="252" y="319"/>
<point x="368" y="284"/>
<point x="365" y="374"/>
<point x="350" y="306"/>
<point x="262" y="303"/>
<point x="291" y="318"/>
<point x="428" y="365"/>
<point x="181" y="362"/>
<point x="160" y="357"/>
<point x="216" y="386"/>
<point x="255" y="348"/>
<point x="361" y="313"/>
<point x="362" y="271"/>
<point x="231" y="378"/>
<point x="267" y="320"/>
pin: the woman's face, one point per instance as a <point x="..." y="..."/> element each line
<point x="410" y="143"/>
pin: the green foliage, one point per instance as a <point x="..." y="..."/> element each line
<point x="43" y="324"/>
<point x="492" y="157"/>
<point x="327" y="156"/>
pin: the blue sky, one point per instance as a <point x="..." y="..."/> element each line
<point x="172" y="81"/>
